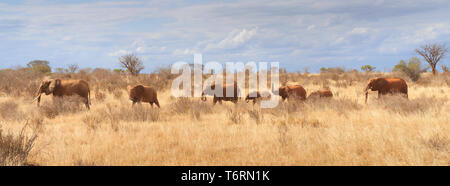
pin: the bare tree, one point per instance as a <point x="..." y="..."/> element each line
<point x="73" y="68"/>
<point x="445" y="68"/>
<point x="432" y="53"/>
<point x="132" y="63"/>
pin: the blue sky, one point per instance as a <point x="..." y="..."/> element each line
<point x="298" y="34"/>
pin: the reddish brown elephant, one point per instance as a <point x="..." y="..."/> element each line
<point x="324" y="93"/>
<point x="291" y="91"/>
<point x="386" y="85"/>
<point x="224" y="97"/>
<point x="61" y="88"/>
<point x="141" y="93"/>
<point x="255" y="96"/>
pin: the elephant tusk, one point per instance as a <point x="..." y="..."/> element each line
<point x="367" y="93"/>
<point x="35" y="98"/>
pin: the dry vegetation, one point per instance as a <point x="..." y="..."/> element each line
<point x="340" y="131"/>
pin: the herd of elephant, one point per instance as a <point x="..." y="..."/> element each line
<point x="141" y="93"/>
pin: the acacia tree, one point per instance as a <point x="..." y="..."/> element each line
<point x="432" y="53"/>
<point x="132" y="63"/>
<point x="368" y="68"/>
<point x="40" y="66"/>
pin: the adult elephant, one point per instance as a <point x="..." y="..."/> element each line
<point x="291" y="91"/>
<point x="386" y="85"/>
<point x="325" y="93"/>
<point x="141" y="93"/>
<point x="61" y="88"/>
<point x="224" y="97"/>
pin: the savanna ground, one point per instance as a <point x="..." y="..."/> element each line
<point x="340" y="131"/>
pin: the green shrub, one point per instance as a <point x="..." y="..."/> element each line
<point x="412" y="69"/>
<point x="368" y="68"/>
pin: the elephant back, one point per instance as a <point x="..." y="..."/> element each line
<point x="136" y="93"/>
<point x="150" y="94"/>
<point x="297" y="90"/>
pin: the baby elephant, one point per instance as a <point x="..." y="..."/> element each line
<point x="256" y="96"/>
<point x="143" y="93"/>
<point x="321" y="94"/>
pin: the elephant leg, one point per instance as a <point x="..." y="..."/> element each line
<point x="157" y="103"/>
<point x="151" y="103"/>
<point x="87" y="104"/>
<point x="214" y="100"/>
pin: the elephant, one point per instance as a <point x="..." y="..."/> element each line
<point x="386" y="85"/>
<point x="324" y="93"/>
<point x="256" y="95"/>
<point x="61" y="88"/>
<point x="296" y="91"/>
<point x="143" y="93"/>
<point x="233" y="98"/>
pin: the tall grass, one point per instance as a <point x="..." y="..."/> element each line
<point x="15" y="149"/>
<point x="186" y="131"/>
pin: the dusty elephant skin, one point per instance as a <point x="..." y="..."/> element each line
<point x="234" y="98"/>
<point x="291" y="91"/>
<point x="61" y="88"/>
<point x="141" y="93"/>
<point x="385" y="86"/>
<point x="325" y="93"/>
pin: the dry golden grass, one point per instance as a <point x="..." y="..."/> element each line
<point x="340" y="131"/>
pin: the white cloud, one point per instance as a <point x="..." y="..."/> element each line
<point x="119" y="53"/>
<point x="234" y="39"/>
<point x="186" y="51"/>
<point x="339" y="40"/>
<point x="359" y="31"/>
<point x="311" y="27"/>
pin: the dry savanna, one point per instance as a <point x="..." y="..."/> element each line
<point x="342" y="130"/>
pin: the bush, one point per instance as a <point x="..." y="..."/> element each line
<point x="14" y="150"/>
<point x="336" y="70"/>
<point x="9" y="110"/>
<point x="69" y="104"/>
<point x="420" y="105"/>
<point x="235" y="115"/>
<point x="186" y="105"/>
<point x="412" y="69"/>
<point x="256" y="114"/>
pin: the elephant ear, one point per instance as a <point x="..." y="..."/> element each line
<point x="54" y="84"/>
<point x="380" y="83"/>
<point x="139" y="90"/>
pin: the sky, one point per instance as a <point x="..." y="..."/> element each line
<point x="298" y="34"/>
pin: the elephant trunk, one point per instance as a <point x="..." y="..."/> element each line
<point x="38" y="96"/>
<point x="366" y="92"/>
